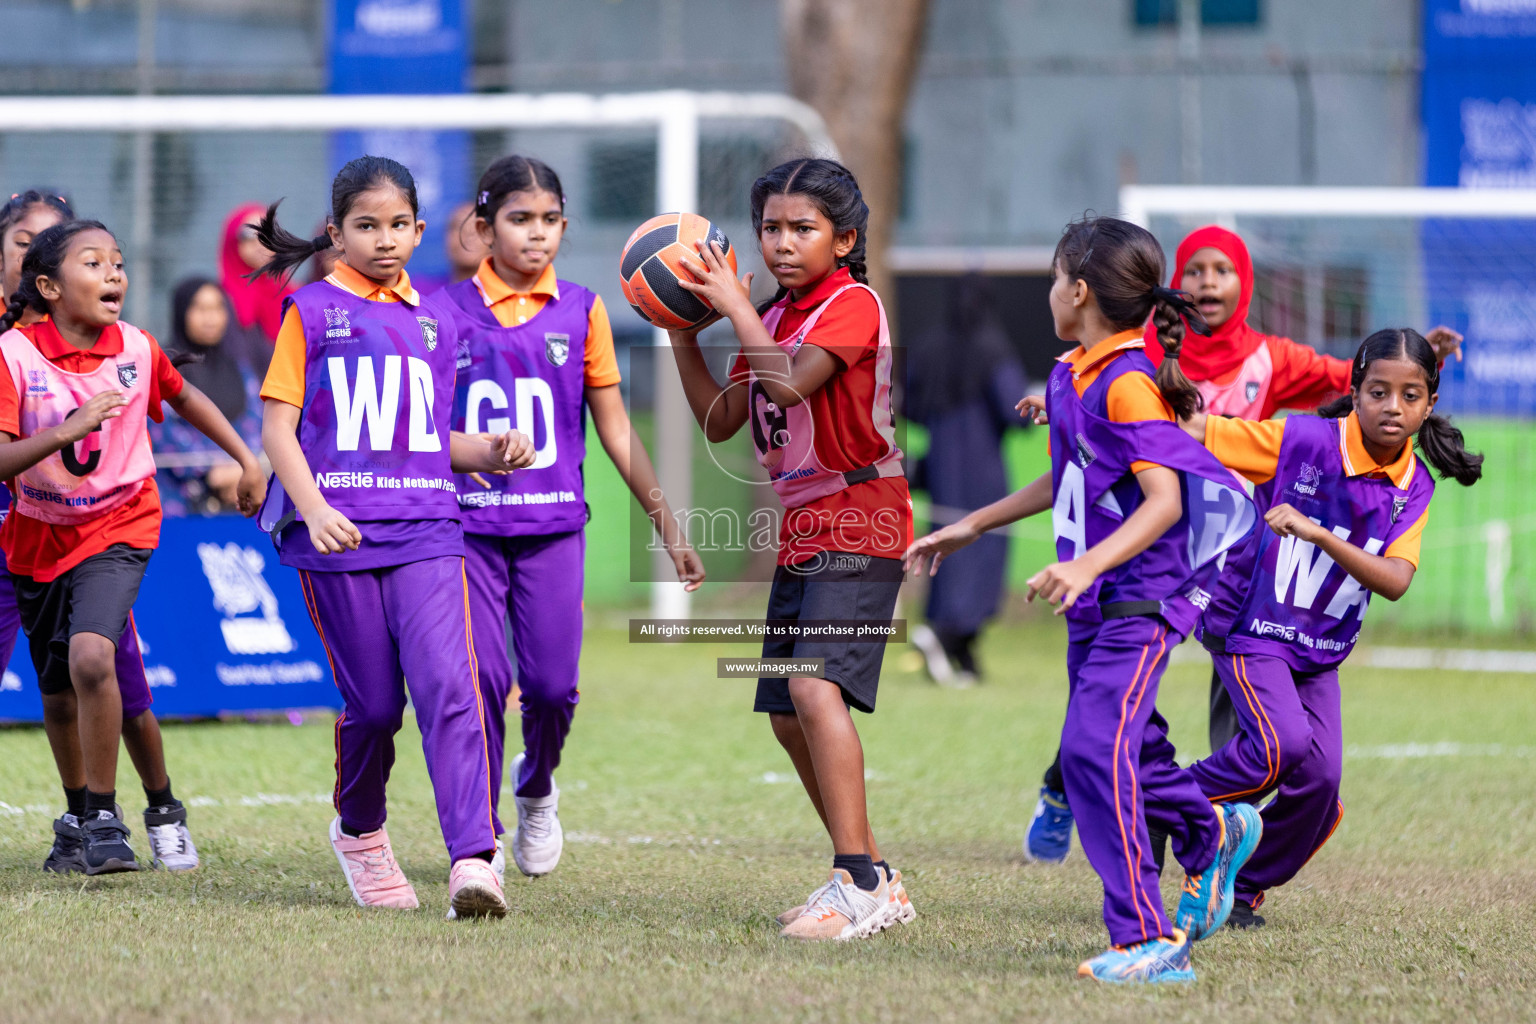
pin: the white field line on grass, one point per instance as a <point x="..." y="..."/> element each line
<point x="1452" y="659"/>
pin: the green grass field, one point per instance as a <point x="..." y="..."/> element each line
<point x="683" y="839"/>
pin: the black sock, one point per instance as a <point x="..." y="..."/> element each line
<point x="487" y="856"/>
<point x="161" y="797"/>
<point x="74" y="800"/>
<point x="860" y="867"/>
<point x="101" y="802"/>
<point x="883" y="866"/>
<point x="348" y="830"/>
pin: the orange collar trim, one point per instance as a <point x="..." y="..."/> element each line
<point x="1358" y="462"/>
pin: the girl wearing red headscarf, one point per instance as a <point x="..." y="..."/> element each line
<point x="1239" y="371"/>
<point x="258" y="304"/>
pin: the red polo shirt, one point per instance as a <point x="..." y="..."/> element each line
<point x="873" y="517"/>
<point x="45" y="551"/>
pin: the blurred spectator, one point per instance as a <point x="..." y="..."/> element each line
<point x="203" y="327"/>
<point x="465" y="250"/>
<point x="963" y="385"/>
<point x="258" y="305"/>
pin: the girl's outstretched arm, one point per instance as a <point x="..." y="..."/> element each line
<point x="632" y="461"/>
<point x="329" y="531"/>
<point x="1386" y="575"/>
<point x="1032" y="499"/>
<point x="17" y="455"/>
<point x="198" y="409"/>
<point x="1066" y="581"/>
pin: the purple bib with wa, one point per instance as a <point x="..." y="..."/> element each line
<point x="1095" y="491"/>
<point x="531" y="378"/>
<point x="1284" y="597"/>
<point x="378" y="398"/>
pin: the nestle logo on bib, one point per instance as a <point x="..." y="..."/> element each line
<point x="37" y="382"/>
<point x="127" y="374"/>
<point x="336" y="323"/>
<point x="1310" y="477"/>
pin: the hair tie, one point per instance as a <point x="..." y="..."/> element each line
<point x="1172" y="295"/>
<point x="485" y="197"/>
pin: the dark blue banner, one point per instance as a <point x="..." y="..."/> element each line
<point x="1479" y="97"/>
<point x="223" y="628"/>
<point x="403" y="47"/>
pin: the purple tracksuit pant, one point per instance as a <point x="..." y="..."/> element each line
<point x="131" y="680"/>
<point x="537" y="582"/>
<point x="1120" y="773"/>
<point x="386" y="629"/>
<point x="1292" y="740"/>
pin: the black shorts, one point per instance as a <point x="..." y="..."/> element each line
<point x="834" y="585"/>
<point x="93" y="597"/>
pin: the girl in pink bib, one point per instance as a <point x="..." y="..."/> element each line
<point x="75" y="395"/>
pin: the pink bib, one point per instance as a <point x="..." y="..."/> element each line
<point x="107" y="468"/>
<point x="1245" y="394"/>
<point x="785" y="438"/>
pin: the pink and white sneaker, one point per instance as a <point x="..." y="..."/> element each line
<point x="474" y="891"/>
<point x="372" y="874"/>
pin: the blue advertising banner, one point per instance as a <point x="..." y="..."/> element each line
<point x="400" y="47"/>
<point x="1479" y="96"/>
<point x="222" y="625"/>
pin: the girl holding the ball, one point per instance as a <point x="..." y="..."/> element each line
<point x="539" y="350"/>
<point x="813" y="379"/>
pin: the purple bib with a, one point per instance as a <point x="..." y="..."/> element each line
<point x="1285" y="597"/>
<point x="531" y="378"/>
<point x="378" y="398"/>
<point x="1095" y="491"/>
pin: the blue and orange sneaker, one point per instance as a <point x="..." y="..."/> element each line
<point x="1154" y="962"/>
<point x="1208" y="895"/>
<point x="1049" y="838"/>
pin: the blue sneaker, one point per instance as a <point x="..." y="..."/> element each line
<point x="1208" y="895"/>
<point x="1050" y="832"/>
<point x="1154" y="962"/>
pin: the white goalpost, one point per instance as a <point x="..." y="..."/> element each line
<point x="672" y="120"/>
<point x="1334" y="264"/>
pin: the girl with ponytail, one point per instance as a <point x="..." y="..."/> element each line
<point x="1136" y="560"/>
<point x="358" y="404"/>
<point x="813" y="378"/>
<point x="1344" y="500"/>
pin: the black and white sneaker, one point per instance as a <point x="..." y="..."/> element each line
<point x="68" y="854"/>
<point x="106" y="845"/>
<point x="170" y="844"/>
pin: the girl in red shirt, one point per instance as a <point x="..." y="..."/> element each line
<point x="813" y="381"/>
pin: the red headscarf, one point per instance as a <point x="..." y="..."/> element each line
<point x="1214" y="357"/>
<point x="255" y="302"/>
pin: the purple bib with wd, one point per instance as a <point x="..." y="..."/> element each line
<point x="378" y="397"/>
<point x="1283" y="596"/>
<point x="531" y="378"/>
<point x="1095" y="491"/>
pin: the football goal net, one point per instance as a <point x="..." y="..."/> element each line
<point x="165" y="173"/>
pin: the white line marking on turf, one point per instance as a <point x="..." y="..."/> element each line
<point x="1414" y="658"/>
<point x="1409" y="751"/>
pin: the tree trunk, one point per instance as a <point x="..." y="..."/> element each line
<point x="854" y="61"/>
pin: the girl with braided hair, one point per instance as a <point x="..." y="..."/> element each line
<point x="1141" y="518"/>
<point x="813" y="379"/>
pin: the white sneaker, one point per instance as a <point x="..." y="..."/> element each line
<point x="842" y="911"/>
<point x="539" y="839"/>
<point x="499" y="864"/>
<point x="170" y="844"/>
<point x="934" y="659"/>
